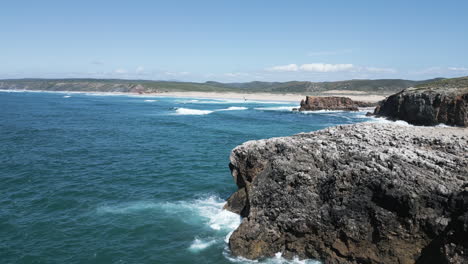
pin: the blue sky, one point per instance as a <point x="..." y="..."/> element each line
<point x="234" y="41"/>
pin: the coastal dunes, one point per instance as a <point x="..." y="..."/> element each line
<point x="365" y="193"/>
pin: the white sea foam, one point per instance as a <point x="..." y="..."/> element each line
<point x="322" y="112"/>
<point x="277" y="259"/>
<point x="209" y="209"/>
<point x="228" y="101"/>
<point x="278" y="108"/>
<point x="200" y="244"/>
<point x="387" y="121"/>
<point x="150" y="101"/>
<point x="218" y="219"/>
<point x="188" y="111"/>
<point x="67" y="96"/>
<point x="127" y="208"/>
<point x="233" y="108"/>
<point x="443" y="125"/>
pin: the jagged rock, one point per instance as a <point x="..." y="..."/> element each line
<point x="366" y="104"/>
<point x="365" y="193"/>
<point x="314" y="103"/>
<point x="444" y="101"/>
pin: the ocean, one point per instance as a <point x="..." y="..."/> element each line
<point x="90" y="178"/>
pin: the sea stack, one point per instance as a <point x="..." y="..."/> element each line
<point x="441" y="102"/>
<point x="365" y="193"/>
<point x="316" y="103"/>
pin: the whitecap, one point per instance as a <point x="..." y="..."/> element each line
<point x="200" y="244"/>
<point x="323" y="112"/>
<point x="150" y="101"/>
<point x="229" y="101"/>
<point x="279" y="108"/>
<point x="188" y="111"/>
<point x="233" y="108"/>
<point x="67" y="96"/>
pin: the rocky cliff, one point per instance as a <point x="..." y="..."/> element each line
<point x="444" y="101"/>
<point x="365" y="193"/>
<point x="314" y="103"/>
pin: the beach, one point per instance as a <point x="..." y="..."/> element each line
<point x="270" y="96"/>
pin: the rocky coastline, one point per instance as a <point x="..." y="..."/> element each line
<point x="364" y="193"/>
<point x="441" y="102"/>
<point x="316" y="103"/>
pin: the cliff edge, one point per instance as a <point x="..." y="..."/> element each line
<point x="364" y="193"/>
<point x="444" y="101"/>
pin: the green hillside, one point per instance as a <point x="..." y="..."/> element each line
<point x="383" y="86"/>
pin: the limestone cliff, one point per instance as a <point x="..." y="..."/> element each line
<point x="365" y="193"/>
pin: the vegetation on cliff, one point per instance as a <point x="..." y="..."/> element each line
<point x="384" y="86"/>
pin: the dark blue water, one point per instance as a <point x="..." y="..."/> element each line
<point x="120" y="179"/>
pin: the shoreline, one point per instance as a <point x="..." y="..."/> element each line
<point x="365" y="97"/>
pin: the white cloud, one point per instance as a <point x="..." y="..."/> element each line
<point x="120" y="71"/>
<point x="378" y="70"/>
<point x="236" y="74"/>
<point x="312" y="67"/>
<point x="328" y="68"/>
<point x="140" y="70"/>
<point x="176" y="73"/>
<point x="442" y="71"/>
<point x="97" y="62"/>
<point x="458" y="69"/>
<point x="284" y="68"/>
<point x="324" y="67"/>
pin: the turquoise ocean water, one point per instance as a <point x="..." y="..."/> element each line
<point x="89" y="178"/>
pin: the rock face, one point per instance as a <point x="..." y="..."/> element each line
<point x="314" y="103"/>
<point x="443" y="101"/>
<point x="365" y="193"/>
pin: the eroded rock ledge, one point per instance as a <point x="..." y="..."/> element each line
<point x="365" y="193"/>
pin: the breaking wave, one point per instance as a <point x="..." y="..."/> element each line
<point x="188" y="111"/>
<point x="278" y="108"/>
<point x="200" y="244"/>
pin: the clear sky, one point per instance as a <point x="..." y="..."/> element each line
<point x="234" y="41"/>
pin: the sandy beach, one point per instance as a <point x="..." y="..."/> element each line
<point x="267" y="96"/>
<point x="354" y="95"/>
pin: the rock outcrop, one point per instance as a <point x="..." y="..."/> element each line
<point x="315" y="103"/>
<point x="444" y="101"/>
<point x="365" y="193"/>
